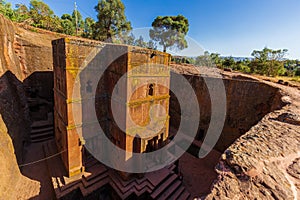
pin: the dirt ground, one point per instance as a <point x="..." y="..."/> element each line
<point x="199" y="174"/>
<point x="37" y="171"/>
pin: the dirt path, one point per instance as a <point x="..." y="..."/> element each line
<point x="38" y="171"/>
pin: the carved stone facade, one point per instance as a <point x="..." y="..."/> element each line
<point x="133" y="81"/>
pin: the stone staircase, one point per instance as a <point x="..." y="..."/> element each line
<point x="42" y="131"/>
<point x="170" y="188"/>
<point x="161" y="184"/>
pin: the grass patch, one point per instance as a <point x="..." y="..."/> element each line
<point x="296" y="79"/>
<point x="286" y="78"/>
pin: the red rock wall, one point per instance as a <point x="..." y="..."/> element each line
<point x="247" y="103"/>
<point x="22" y="52"/>
<point x="264" y="162"/>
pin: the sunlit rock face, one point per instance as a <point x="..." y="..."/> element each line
<point x="260" y="141"/>
<point x="247" y="100"/>
<point x="22" y="52"/>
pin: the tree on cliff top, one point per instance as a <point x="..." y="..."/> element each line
<point x="80" y="23"/>
<point x="111" y="20"/>
<point x="88" y="27"/>
<point x="43" y="16"/>
<point x="6" y="9"/>
<point x="40" y="12"/>
<point x="22" y="13"/>
<point x="67" y="24"/>
<point x="70" y="24"/>
<point x="170" y="31"/>
<point x="269" y="54"/>
<point x="268" y="61"/>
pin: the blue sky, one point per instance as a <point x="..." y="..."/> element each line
<point x="229" y="27"/>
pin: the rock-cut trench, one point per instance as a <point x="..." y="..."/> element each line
<point x="248" y="101"/>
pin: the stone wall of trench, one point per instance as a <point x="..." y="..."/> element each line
<point x="248" y="101"/>
<point x="22" y="52"/>
<point x="25" y="61"/>
<point x="260" y="141"/>
<point x="264" y="162"/>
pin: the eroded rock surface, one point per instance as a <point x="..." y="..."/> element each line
<point x="22" y="52"/>
<point x="261" y="161"/>
<point x="13" y="184"/>
<point x="264" y="163"/>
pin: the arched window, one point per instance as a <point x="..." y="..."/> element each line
<point x="151" y="89"/>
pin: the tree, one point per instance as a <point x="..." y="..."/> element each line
<point x="67" y="24"/>
<point x="229" y="62"/>
<point x="215" y="58"/>
<point x="43" y="17"/>
<point x="54" y="24"/>
<point x="204" y="60"/>
<point x="77" y="21"/>
<point x="6" y="10"/>
<point x="111" y="20"/>
<point x="41" y="14"/>
<point x="125" y="38"/>
<point x="151" y="45"/>
<point x="74" y="24"/>
<point x="140" y="42"/>
<point x="170" y="31"/>
<point x="269" y="54"/>
<point x="297" y="69"/>
<point x="268" y="61"/>
<point x="66" y="17"/>
<point x="88" y="27"/>
<point x="22" y="13"/>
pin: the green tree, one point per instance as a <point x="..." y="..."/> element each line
<point x="67" y="26"/>
<point x="54" y="24"/>
<point x="88" y="27"/>
<point x="268" y="62"/>
<point x="140" y="42"/>
<point x="125" y="38"/>
<point x="170" y="31"/>
<point x="291" y="67"/>
<point x="204" y="60"/>
<point x="6" y="10"/>
<point x="241" y="65"/>
<point x="215" y="58"/>
<point x="229" y="62"/>
<point x="41" y="14"/>
<point x="22" y="13"/>
<point x="130" y="39"/>
<point x="77" y="21"/>
<point x="66" y="17"/>
<point x="269" y="54"/>
<point x="151" y="44"/>
<point x="297" y="68"/>
<point x="111" y="22"/>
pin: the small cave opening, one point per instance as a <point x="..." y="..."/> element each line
<point x="247" y="100"/>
